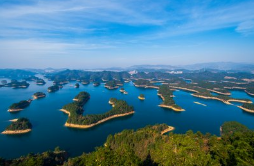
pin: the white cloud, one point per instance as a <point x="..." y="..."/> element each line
<point x="246" y="28"/>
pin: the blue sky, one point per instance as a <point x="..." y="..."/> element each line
<point x="106" y="33"/>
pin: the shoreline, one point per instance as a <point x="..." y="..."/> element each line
<point x="65" y="111"/>
<point x="99" y="122"/>
<point x="249" y="93"/>
<point x="246" y="109"/>
<point x="224" y="101"/>
<point x="141" y="98"/>
<point x="14" y="110"/>
<point x="38" y="97"/>
<point x="218" y="92"/>
<point x="111" y="88"/>
<point x="75" y="99"/>
<point x="170" y="128"/>
<point x="171" y="107"/>
<point x="16" y="131"/>
<point x="199" y="103"/>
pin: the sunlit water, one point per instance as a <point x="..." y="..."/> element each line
<point x="48" y="122"/>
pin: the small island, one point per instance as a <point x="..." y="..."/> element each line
<point x="77" y="120"/>
<point x="96" y="83"/>
<point x="21" y="126"/>
<point x="122" y="90"/>
<point x="76" y="85"/>
<point x="141" y="97"/>
<point x="15" y="107"/>
<point x="248" y="107"/>
<point x="40" y="82"/>
<point x="53" y="88"/>
<point x="85" y="82"/>
<point x="39" y="95"/>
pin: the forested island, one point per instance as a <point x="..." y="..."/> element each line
<point x="77" y="120"/>
<point x="17" y="84"/>
<point x="21" y="126"/>
<point x="167" y="96"/>
<point x="40" y="82"/>
<point x="141" y="97"/>
<point x="76" y="85"/>
<point x="38" y="95"/>
<point x="19" y="106"/>
<point x="96" y="83"/>
<point x="147" y="146"/>
<point x="53" y="88"/>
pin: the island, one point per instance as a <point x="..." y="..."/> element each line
<point x="141" y="97"/>
<point x="96" y="83"/>
<point x="85" y="82"/>
<point x="16" y="84"/>
<point x="122" y="90"/>
<point x="113" y="84"/>
<point x="53" y="88"/>
<point x="248" y="107"/>
<point x="15" y="107"/>
<point x="77" y="120"/>
<point x="21" y="126"/>
<point x="40" y="82"/>
<point x="167" y="96"/>
<point x="76" y="85"/>
<point x="39" y="95"/>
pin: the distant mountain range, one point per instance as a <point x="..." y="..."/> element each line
<point x="225" y="66"/>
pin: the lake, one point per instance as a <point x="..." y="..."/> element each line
<point x="48" y="122"/>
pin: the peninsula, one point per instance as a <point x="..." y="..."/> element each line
<point x="21" y="126"/>
<point x="167" y="96"/>
<point x="19" y="106"/>
<point x="77" y="120"/>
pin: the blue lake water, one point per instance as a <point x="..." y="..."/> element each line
<point x="48" y="122"/>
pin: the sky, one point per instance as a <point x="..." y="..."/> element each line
<point x="85" y="34"/>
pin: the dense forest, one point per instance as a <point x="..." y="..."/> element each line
<point x="147" y="147"/>
<point x="20" y="105"/>
<point x="142" y="82"/>
<point x="20" y="124"/>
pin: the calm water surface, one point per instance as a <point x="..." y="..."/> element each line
<point x="48" y="122"/>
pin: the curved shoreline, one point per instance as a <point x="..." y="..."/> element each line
<point x="99" y="122"/>
<point x="16" y="131"/>
<point x="111" y="88"/>
<point x="14" y="110"/>
<point x="249" y="93"/>
<point x="65" y="111"/>
<point x="141" y="98"/>
<point x="38" y="97"/>
<point x="170" y="128"/>
<point x="171" y="107"/>
<point x="224" y="101"/>
<point x="218" y="92"/>
<point x="246" y="109"/>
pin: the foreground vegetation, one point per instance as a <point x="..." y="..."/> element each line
<point x="147" y="146"/>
